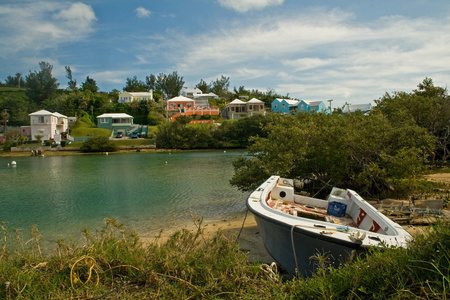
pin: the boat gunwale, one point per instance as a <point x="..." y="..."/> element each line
<point x="399" y="238"/>
<point x="309" y="232"/>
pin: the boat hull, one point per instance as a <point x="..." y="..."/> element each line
<point x="278" y="238"/>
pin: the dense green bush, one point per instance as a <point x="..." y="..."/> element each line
<point x="230" y="134"/>
<point x="98" y="144"/>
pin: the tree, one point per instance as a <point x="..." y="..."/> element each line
<point x="15" y="81"/>
<point x="220" y="86"/>
<point x="355" y="151"/>
<point x="41" y="85"/>
<point x="203" y="86"/>
<point x="155" y="116"/>
<point x="89" y="85"/>
<point x="170" y="85"/>
<point x="151" y="82"/>
<point x="72" y="84"/>
<point x="98" y="144"/>
<point x="135" y="85"/>
<point x="428" y="107"/>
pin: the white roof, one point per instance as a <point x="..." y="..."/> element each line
<point x="114" y="116"/>
<point x="140" y="94"/>
<point x="189" y="90"/>
<point x="180" y="99"/>
<point x="210" y="95"/>
<point x="237" y="101"/>
<point x="59" y="115"/>
<point x="291" y="102"/>
<point x="41" y="113"/>
<point x="313" y="103"/>
<point x="254" y="100"/>
<point x="355" y="107"/>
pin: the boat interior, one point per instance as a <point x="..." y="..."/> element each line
<point x="343" y="207"/>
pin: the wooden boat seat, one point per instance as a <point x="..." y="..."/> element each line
<point x="310" y="212"/>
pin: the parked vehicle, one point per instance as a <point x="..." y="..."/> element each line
<point x="134" y="135"/>
<point x="119" y="135"/>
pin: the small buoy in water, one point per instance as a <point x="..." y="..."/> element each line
<point x="106" y="153"/>
<point x="8" y="164"/>
<point x="166" y="162"/>
<point x="13" y="163"/>
<point x="224" y="151"/>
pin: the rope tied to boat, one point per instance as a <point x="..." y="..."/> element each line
<point x="270" y="271"/>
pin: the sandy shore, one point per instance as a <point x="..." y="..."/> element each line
<point x="249" y="240"/>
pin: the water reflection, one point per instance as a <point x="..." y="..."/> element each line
<point x="63" y="194"/>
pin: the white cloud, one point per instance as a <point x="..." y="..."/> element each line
<point x="44" y="24"/>
<point x="142" y="12"/>
<point x="78" y="17"/>
<point x="327" y="55"/>
<point x="243" y="6"/>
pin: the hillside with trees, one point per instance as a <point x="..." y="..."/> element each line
<point x="375" y="154"/>
<point x="404" y="134"/>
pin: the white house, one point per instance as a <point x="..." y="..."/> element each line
<point x="201" y="99"/>
<point x="189" y="93"/>
<point x="238" y="108"/>
<point x="128" y="97"/>
<point x="48" y="125"/>
<point x="350" y="108"/>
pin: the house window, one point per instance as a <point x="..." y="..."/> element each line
<point x="40" y="119"/>
<point x="104" y="120"/>
<point x="275" y="106"/>
<point x="283" y="106"/>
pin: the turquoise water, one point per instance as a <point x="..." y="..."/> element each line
<point x="61" y="195"/>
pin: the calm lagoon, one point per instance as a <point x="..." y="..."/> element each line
<point x="62" y="195"/>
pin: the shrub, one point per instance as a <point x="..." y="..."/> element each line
<point x="98" y="144"/>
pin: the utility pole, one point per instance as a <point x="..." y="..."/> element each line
<point x="5" y="118"/>
<point x="329" y="101"/>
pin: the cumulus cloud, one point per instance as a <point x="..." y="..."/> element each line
<point x="325" y="56"/>
<point x="41" y="24"/>
<point x="243" y="6"/>
<point x="142" y="12"/>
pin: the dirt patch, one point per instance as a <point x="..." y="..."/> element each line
<point x="439" y="177"/>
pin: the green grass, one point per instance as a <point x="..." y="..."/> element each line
<point x="134" y="142"/>
<point x="115" y="264"/>
<point x="152" y="130"/>
<point x="90" y="132"/>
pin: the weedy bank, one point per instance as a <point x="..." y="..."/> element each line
<point x="115" y="264"/>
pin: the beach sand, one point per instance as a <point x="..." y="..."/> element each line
<point x="246" y="233"/>
<point x="233" y="227"/>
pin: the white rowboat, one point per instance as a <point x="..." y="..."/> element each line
<point x="296" y="228"/>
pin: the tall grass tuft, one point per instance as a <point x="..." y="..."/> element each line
<point x="115" y="264"/>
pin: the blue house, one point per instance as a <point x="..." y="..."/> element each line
<point x="312" y="106"/>
<point x="284" y="106"/>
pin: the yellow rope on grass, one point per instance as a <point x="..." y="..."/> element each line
<point x="87" y="261"/>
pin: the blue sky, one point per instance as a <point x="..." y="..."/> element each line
<point x="346" y="50"/>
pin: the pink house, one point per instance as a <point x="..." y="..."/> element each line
<point x="179" y="103"/>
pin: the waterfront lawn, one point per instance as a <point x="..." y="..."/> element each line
<point x="134" y="142"/>
<point x="90" y="132"/>
<point x="115" y="264"/>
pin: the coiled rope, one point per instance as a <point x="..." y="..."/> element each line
<point x="84" y="261"/>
